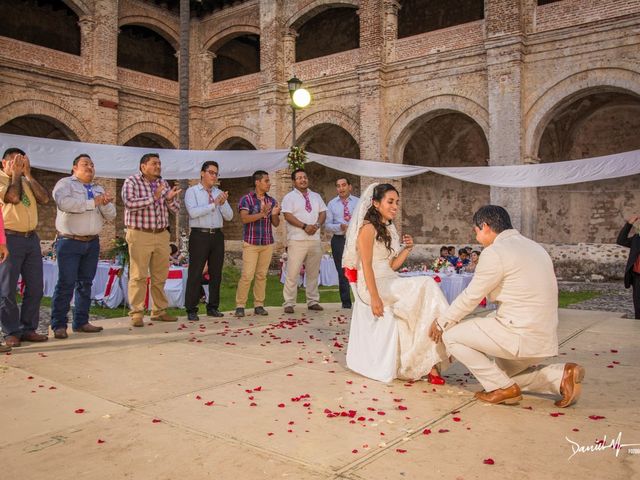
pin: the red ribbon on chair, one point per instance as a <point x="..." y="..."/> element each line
<point x="113" y="273"/>
<point x="146" y="296"/>
<point x="174" y="274"/>
<point x="351" y="274"/>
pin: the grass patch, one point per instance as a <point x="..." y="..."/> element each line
<point x="230" y="277"/>
<point x="569" y="298"/>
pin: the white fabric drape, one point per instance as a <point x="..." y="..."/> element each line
<point x="114" y="161"/>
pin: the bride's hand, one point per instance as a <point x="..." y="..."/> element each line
<point x="377" y="307"/>
<point x="435" y="332"/>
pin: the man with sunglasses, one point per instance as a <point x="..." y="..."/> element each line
<point x="208" y="208"/>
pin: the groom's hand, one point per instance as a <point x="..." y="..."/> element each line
<point x="435" y="332"/>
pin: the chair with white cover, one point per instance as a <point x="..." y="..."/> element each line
<point x="373" y="349"/>
<point x="113" y="295"/>
<point x="174" y="287"/>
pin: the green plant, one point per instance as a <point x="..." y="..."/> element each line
<point x="296" y="158"/>
<point x="119" y="252"/>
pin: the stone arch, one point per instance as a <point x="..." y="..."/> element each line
<point x="335" y="117"/>
<point x="221" y="37"/>
<point x="80" y="7"/>
<point x="154" y="128"/>
<point x="238" y="131"/>
<point x="405" y="125"/>
<point x="62" y="118"/>
<point x="162" y="28"/>
<point x="314" y="7"/>
<point x="569" y="89"/>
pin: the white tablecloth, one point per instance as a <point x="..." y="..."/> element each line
<point x="451" y="285"/>
<point x="328" y="272"/>
<point x="174" y="288"/>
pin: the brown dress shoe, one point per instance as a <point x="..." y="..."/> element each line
<point x="165" y="317"/>
<point x="12" y="341"/>
<point x="570" y="387"/>
<point x="508" y="396"/>
<point x="316" y="306"/>
<point x="137" y="322"/>
<point x="288" y="309"/>
<point x="88" y="328"/>
<point x="5" y="348"/>
<point x="60" y="333"/>
<point x="34" y="337"/>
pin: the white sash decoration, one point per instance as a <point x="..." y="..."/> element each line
<point x="113" y="161"/>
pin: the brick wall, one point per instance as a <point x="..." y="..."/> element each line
<point x="569" y="13"/>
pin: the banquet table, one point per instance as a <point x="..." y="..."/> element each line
<point x="451" y="285"/>
<point x="328" y="273"/>
<point x="174" y="288"/>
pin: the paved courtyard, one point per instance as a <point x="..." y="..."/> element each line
<point x="271" y="398"/>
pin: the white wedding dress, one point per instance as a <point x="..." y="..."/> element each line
<point x="396" y="345"/>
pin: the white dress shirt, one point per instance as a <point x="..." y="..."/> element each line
<point x="76" y="213"/>
<point x="202" y="213"/>
<point x="335" y="214"/>
<point x="294" y="203"/>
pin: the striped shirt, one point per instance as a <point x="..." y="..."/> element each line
<point x="259" y="232"/>
<point x="141" y="209"/>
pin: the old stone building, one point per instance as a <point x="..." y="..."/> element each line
<point x="421" y="82"/>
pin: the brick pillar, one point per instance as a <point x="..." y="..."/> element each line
<point x="507" y="22"/>
<point x="273" y="94"/>
<point x="100" y="38"/>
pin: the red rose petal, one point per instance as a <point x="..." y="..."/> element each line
<point x="156" y="420"/>
<point x="270" y="433"/>
<point x="556" y="414"/>
<point x="257" y="389"/>
<point x="198" y="397"/>
<point x="402" y="407"/>
<point x="426" y="431"/>
<point x="79" y="410"/>
<point x="354" y="451"/>
<point x="100" y="440"/>
<point x="614" y="351"/>
<point x="381" y="413"/>
<point x="443" y="430"/>
<point x="488" y="461"/>
<point x="253" y="404"/>
<point x="456" y="419"/>
<point x="53" y="388"/>
<point x="281" y="405"/>
<point x="208" y="404"/>
<point x="401" y="450"/>
<point x="596" y="417"/>
<point x="29" y="377"/>
<point x="576" y="429"/>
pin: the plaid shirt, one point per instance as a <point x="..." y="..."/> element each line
<point x="141" y="210"/>
<point x="259" y="232"/>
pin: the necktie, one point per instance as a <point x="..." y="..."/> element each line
<point x="211" y="199"/>
<point x="89" y="190"/>
<point x="346" y="213"/>
<point x="307" y="202"/>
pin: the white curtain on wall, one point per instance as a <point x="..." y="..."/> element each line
<point x="113" y="161"/>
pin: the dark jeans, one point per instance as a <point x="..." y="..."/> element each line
<point x="77" y="264"/>
<point x="24" y="259"/>
<point x="337" y="248"/>
<point x="636" y="293"/>
<point x="203" y="248"/>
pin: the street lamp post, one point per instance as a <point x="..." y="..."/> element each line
<point x="300" y="98"/>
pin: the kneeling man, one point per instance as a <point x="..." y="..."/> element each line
<point x="517" y="274"/>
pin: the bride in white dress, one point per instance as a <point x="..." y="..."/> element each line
<point x="373" y="249"/>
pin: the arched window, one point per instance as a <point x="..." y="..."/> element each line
<point x="421" y="16"/>
<point x="49" y="23"/>
<point x="143" y="50"/>
<point x="237" y="57"/>
<point x="332" y="31"/>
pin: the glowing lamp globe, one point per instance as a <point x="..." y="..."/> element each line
<point x="301" y="98"/>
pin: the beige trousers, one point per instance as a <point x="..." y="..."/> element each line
<point x="309" y="253"/>
<point x="472" y="345"/>
<point x="149" y="256"/>
<point x="255" y="262"/>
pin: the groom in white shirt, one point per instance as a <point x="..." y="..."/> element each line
<point x="517" y="274"/>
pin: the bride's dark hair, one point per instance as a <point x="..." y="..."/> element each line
<point x="373" y="216"/>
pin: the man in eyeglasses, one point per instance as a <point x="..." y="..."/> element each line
<point x="208" y="208"/>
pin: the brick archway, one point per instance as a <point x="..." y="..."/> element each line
<point x="333" y="117"/>
<point x="139" y="128"/>
<point x="570" y="89"/>
<point x="80" y="7"/>
<point x="219" y="38"/>
<point x="239" y="131"/>
<point x="406" y="124"/>
<point x="62" y="118"/>
<point x="315" y="7"/>
<point x="165" y="30"/>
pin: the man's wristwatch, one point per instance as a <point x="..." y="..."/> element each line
<point x="304" y="226"/>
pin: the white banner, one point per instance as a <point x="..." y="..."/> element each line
<point x="113" y="161"/>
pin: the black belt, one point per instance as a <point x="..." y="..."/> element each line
<point x="210" y="231"/>
<point x="79" y="238"/>
<point x="28" y="234"/>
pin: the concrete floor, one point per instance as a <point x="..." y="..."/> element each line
<point x="262" y="398"/>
